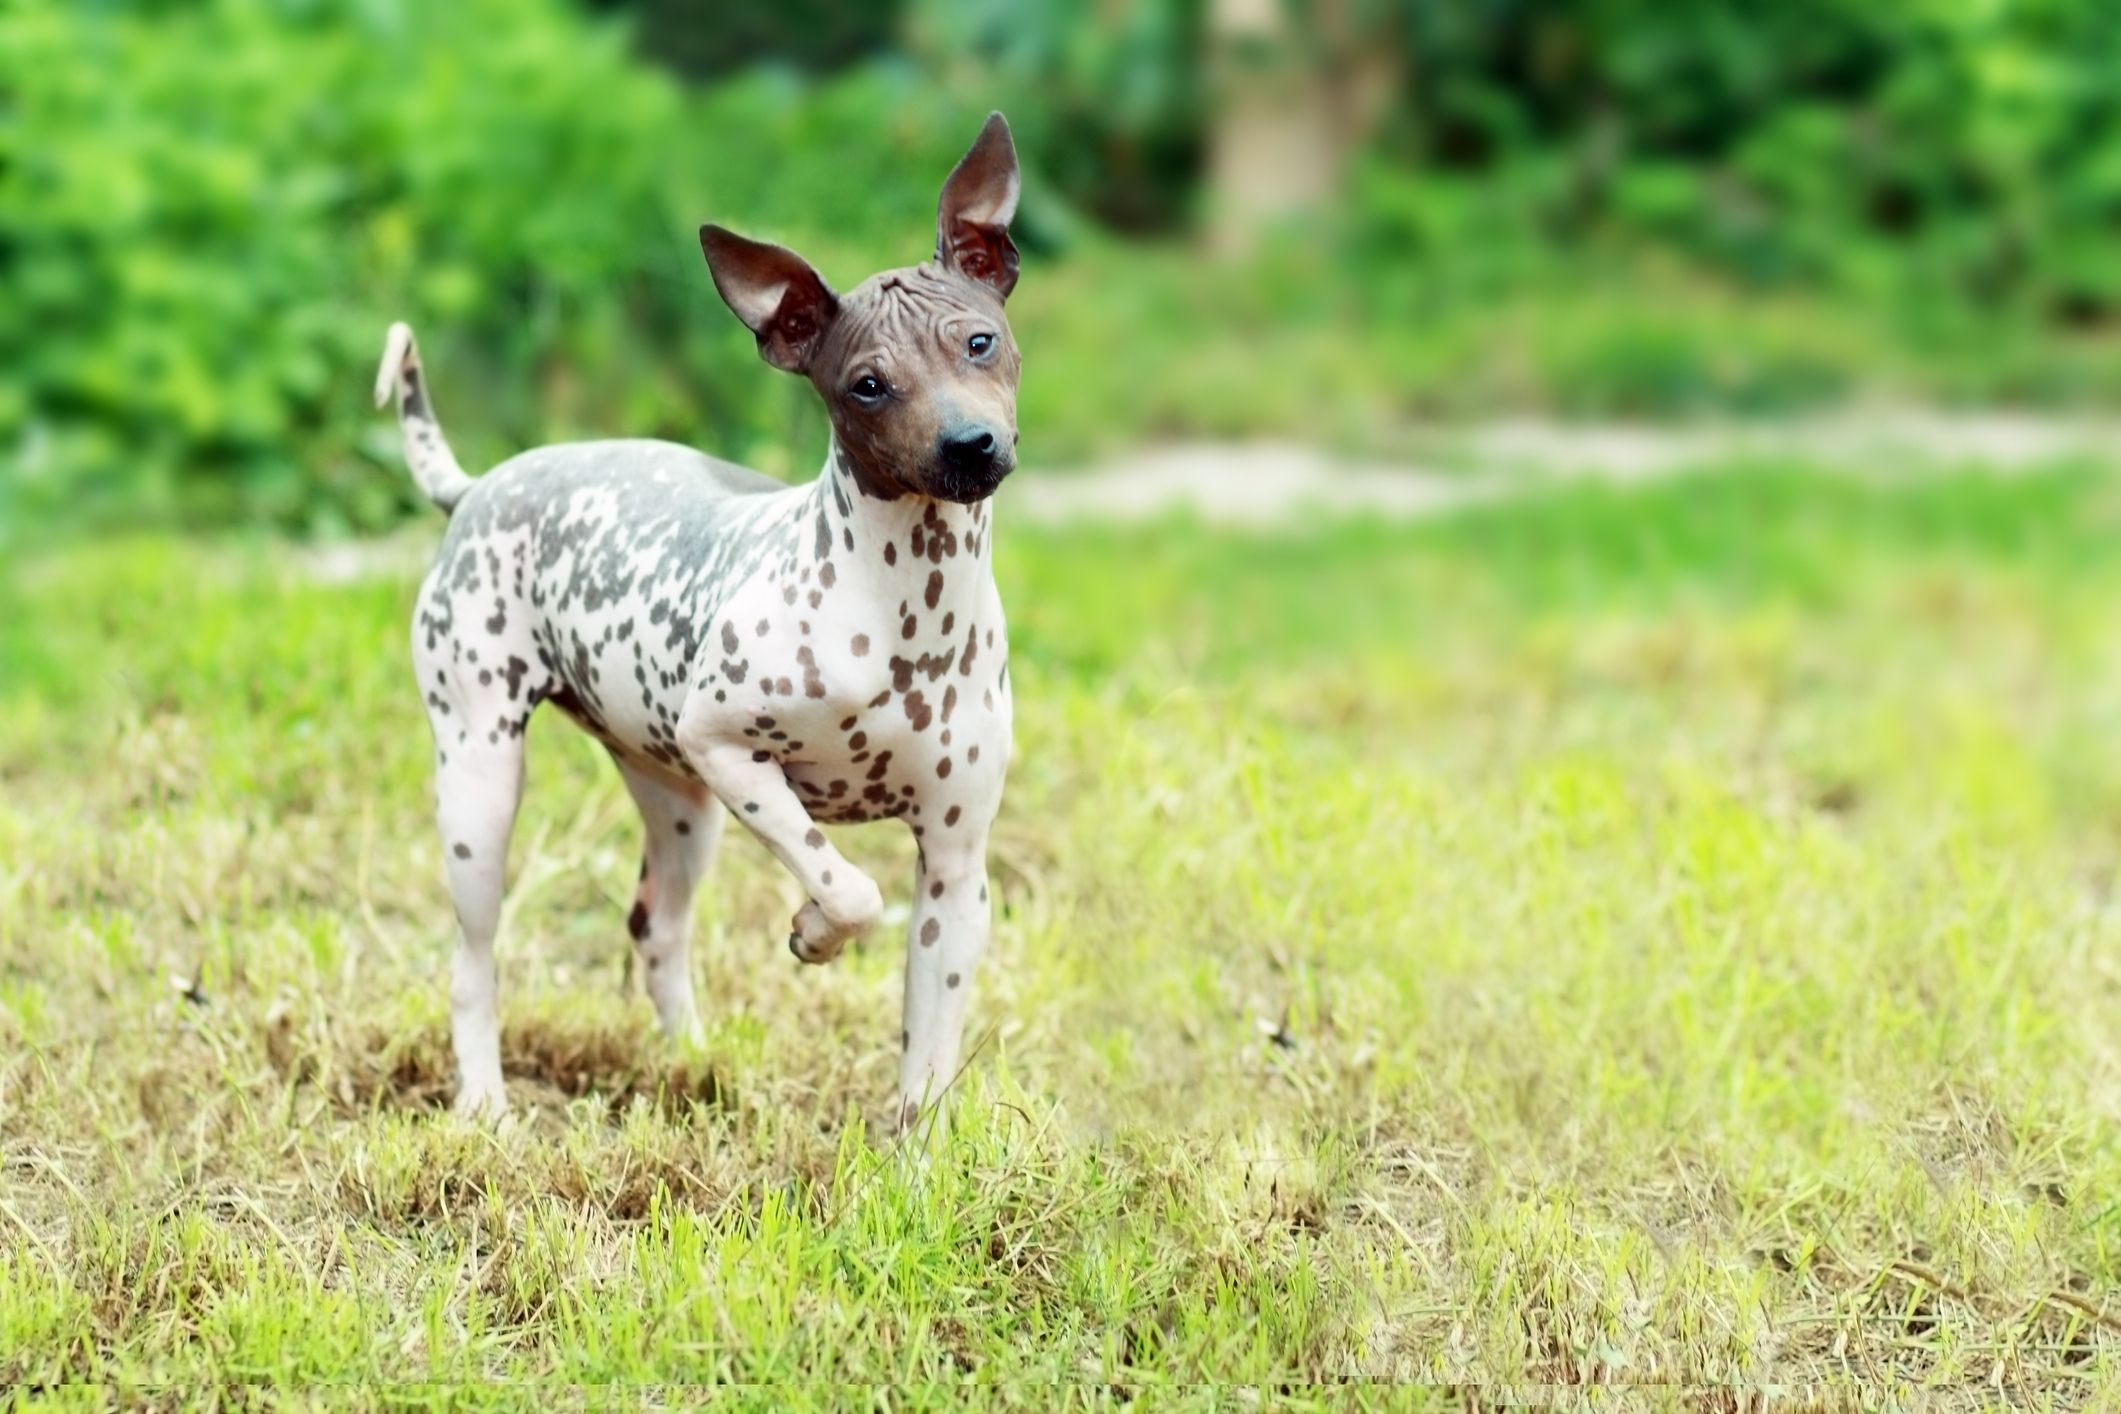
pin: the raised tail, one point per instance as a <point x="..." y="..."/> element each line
<point x="427" y="452"/>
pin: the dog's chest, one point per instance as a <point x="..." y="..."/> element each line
<point x="880" y="686"/>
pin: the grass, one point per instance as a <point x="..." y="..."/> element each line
<point x="1662" y="938"/>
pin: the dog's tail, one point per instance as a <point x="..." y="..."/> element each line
<point x="427" y="452"/>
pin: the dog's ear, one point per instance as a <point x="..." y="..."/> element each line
<point x="979" y="201"/>
<point x="774" y="291"/>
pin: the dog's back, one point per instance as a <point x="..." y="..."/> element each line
<point x="585" y="574"/>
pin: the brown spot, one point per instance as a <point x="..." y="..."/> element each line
<point x="890" y="553"/>
<point x="849" y="722"/>
<point x="918" y="712"/>
<point x="860" y="647"/>
<point x="930" y="931"/>
<point x="972" y="753"/>
<point x="684" y="827"/>
<point x="949" y="702"/>
<point x="827" y="575"/>
<point x="857" y="741"/>
<point x="950" y="817"/>
<point x="942" y="769"/>
<point x="907" y="628"/>
<point x="463" y="851"/>
<point x="762" y="756"/>
<point x="815" y="838"/>
<point x="935" y="890"/>
<point x="934" y="595"/>
<point x="952" y="980"/>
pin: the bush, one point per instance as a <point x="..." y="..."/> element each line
<point x="210" y="214"/>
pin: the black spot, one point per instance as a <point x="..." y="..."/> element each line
<point x="637" y="921"/>
<point x="463" y="851"/>
<point x="684" y="827"/>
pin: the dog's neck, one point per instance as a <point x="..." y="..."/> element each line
<point x="899" y="547"/>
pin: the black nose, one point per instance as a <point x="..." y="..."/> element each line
<point x="972" y="450"/>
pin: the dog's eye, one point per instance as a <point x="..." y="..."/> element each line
<point x="979" y="344"/>
<point x="868" y="388"/>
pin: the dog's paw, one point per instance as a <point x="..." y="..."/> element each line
<point x="481" y="1104"/>
<point x="814" y="940"/>
<point x="819" y="936"/>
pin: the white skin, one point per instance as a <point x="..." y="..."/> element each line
<point x="833" y="652"/>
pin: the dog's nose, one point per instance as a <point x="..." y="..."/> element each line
<point x="972" y="450"/>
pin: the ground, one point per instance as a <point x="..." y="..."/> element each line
<point x="1657" y="935"/>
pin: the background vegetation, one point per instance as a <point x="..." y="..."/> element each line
<point x="1327" y="225"/>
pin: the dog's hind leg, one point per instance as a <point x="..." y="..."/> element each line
<point x="477" y="788"/>
<point x="683" y="823"/>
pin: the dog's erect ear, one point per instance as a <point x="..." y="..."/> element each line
<point x="775" y="292"/>
<point x="979" y="201"/>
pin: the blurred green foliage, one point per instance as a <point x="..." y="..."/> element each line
<point x="208" y="213"/>
<point x="1969" y="149"/>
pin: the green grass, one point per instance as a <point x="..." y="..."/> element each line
<point x="1662" y="938"/>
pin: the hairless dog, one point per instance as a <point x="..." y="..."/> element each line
<point x="828" y="653"/>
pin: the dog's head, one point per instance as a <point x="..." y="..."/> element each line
<point x="916" y="366"/>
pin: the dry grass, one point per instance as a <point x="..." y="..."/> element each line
<point x="1662" y="941"/>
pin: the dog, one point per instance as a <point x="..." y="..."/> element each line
<point x="825" y="653"/>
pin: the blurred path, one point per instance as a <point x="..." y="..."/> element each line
<point x="1266" y="483"/>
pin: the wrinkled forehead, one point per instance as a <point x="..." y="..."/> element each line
<point x="903" y="313"/>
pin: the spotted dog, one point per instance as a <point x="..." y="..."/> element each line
<point x="828" y="653"/>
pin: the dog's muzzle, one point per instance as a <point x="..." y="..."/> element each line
<point x="971" y="463"/>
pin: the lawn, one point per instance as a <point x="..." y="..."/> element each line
<point x="1662" y="937"/>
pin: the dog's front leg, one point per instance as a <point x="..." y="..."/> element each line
<point x="844" y="902"/>
<point x="947" y="937"/>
